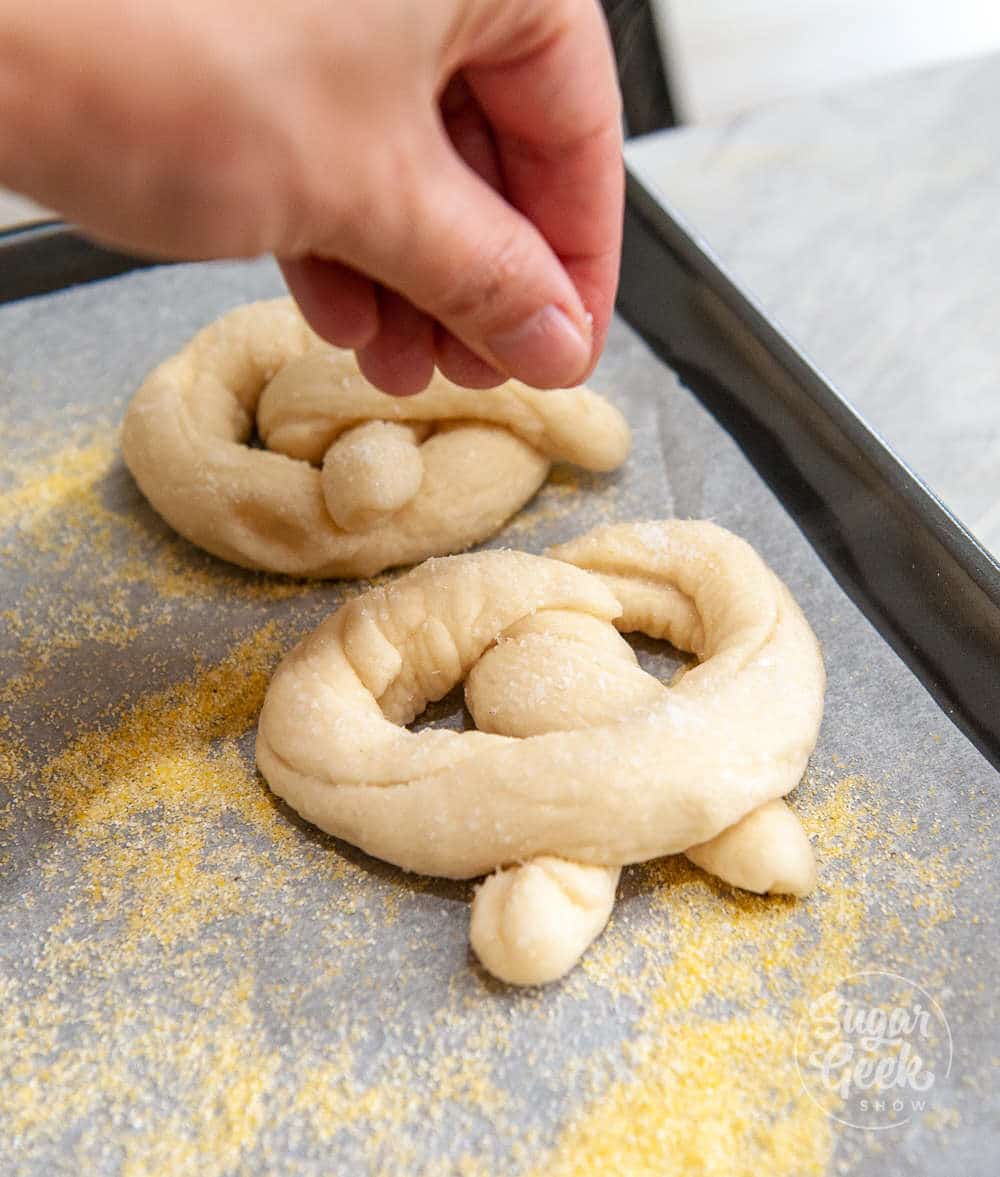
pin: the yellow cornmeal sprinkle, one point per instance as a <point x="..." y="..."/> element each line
<point x="11" y="751"/>
<point x="89" y="573"/>
<point x="143" y="805"/>
<point x="560" y="498"/>
<point x="54" y="506"/>
<point x="64" y="487"/>
<point x="695" y="1088"/>
<point x="172" y="756"/>
<point x="174" y="759"/>
<point x="716" y="1092"/>
<point x="144" y="1023"/>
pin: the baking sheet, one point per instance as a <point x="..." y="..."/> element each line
<point x="193" y="981"/>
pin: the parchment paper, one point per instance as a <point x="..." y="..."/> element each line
<point x="331" y="952"/>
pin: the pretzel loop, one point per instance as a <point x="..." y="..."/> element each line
<point x="582" y="762"/>
<point x="350" y="481"/>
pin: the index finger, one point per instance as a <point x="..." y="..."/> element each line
<point x="555" y="110"/>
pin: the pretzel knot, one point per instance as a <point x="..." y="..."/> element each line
<point x="583" y="762"/>
<point x="350" y="481"/>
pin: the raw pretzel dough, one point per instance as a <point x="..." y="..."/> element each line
<point x="611" y="767"/>
<point x="401" y="478"/>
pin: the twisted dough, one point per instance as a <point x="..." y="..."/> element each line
<point x="612" y="767"/>
<point x="401" y="478"/>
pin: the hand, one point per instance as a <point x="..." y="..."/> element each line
<point x="441" y="179"/>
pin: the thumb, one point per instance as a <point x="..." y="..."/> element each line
<point x="460" y="252"/>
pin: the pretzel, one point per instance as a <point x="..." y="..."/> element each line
<point x="350" y="481"/>
<point x="583" y="762"/>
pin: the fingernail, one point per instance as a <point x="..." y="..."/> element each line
<point x="546" y="349"/>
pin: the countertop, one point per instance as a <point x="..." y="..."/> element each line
<point x="865" y="222"/>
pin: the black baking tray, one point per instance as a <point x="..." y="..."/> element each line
<point x="919" y="576"/>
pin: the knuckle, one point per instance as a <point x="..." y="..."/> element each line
<point x="479" y="292"/>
